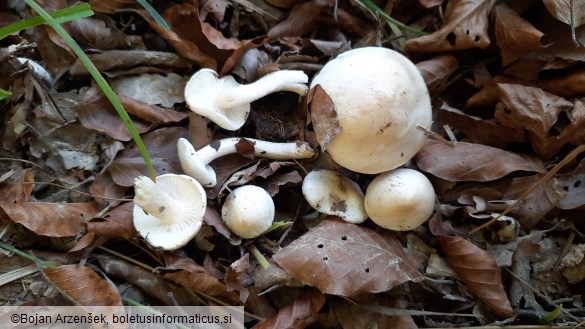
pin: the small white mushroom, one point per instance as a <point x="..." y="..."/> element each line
<point x="380" y="98"/>
<point x="330" y="193"/>
<point x="400" y="200"/>
<point x="248" y="211"/>
<point x="227" y="103"/>
<point x="196" y="163"/>
<point x="170" y="212"/>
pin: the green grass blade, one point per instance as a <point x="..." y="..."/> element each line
<point x="157" y="17"/>
<point x="23" y="254"/>
<point x="374" y="8"/>
<point x="60" y="16"/>
<point x="100" y="81"/>
<point x="4" y="94"/>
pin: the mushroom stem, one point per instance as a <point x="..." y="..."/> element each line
<point x="196" y="163"/>
<point x="155" y="201"/>
<point x="293" y="81"/>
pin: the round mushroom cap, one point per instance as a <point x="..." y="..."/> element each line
<point x="400" y="200"/>
<point x="330" y="193"/>
<point x="380" y="98"/>
<point x="179" y="213"/>
<point x="248" y="211"/>
<point x="202" y="94"/>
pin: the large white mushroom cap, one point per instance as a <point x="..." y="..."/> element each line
<point x="330" y="193"/>
<point x="170" y="212"/>
<point x="380" y="98"/>
<point x="248" y="211"/>
<point x="400" y="200"/>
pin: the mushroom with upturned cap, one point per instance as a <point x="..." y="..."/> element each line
<point x="380" y="98"/>
<point x="170" y="212"/>
<point x="400" y="200"/>
<point x="227" y="103"/>
<point x="248" y="211"/>
<point x="330" y="193"/>
<point x="196" y="163"/>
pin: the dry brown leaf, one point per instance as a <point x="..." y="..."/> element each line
<point x="574" y="185"/>
<point x="515" y="36"/>
<point x="466" y="26"/>
<point x="152" y="284"/>
<point x="437" y="70"/>
<point x="537" y="111"/>
<point x="83" y="286"/>
<point x="430" y="3"/>
<point x="162" y="148"/>
<point x="470" y="162"/>
<point x="213" y="218"/>
<point x="199" y="41"/>
<point x="301" y="20"/>
<point x="238" y="277"/>
<point x="117" y="223"/>
<point x="50" y="219"/>
<point x="538" y="203"/>
<point x="18" y="192"/>
<point x="481" y="131"/>
<point x="100" y="34"/>
<point x="345" y="259"/>
<point x="475" y="266"/>
<point x="151" y="113"/>
<point x="294" y="316"/>
<point x="323" y="116"/>
<point x="571" y="12"/>
<point x="110" y="6"/>
<point x="185" y="272"/>
<point x="354" y="315"/>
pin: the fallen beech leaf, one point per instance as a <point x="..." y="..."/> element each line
<point x="151" y="283"/>
<point x="538" y="203"/>
<point x="567" y="11"/>
<point x="82" y="285"/>
<point x="190" y="275"/>
<point x="574" y="185"/>
<point x="475" y="266"/>
<point x="117" y="223"/>
<point x="323" y="116"/>
<point x="470" y="162"/>
<point x="537" y="111"/>
<point x="301" y="20"/>
<point x="238" y="277"/>
<point x="437" y="70"/>
<point x="481" y="131"/>
<point x="293" y="316"/>
<point x="354" y="315"/>
<point x="345" y="259"/>
<point x="213" y="218"/>
<point x="94" y="33"/>
<point x="466" y="26"/>
<point x="110" y="6"/>
<point x="18" y="192"/>
<point x="50" y="219"/>
<point x="515" y="36"/>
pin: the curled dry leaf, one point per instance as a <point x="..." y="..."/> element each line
<point x="471" y="162"/>
<point x="50" y="219"/>
<point x="81" y="285"/>
<point x="323" y="116"/>
<point x="537" y="111"/>
<point x="117" y="223"/>
<point x="475" y="266"/>
<point x="301" y="20"/>
<point x="345" y="259"/>
<point x="570" y="12"/>
<point x="515" y="36"/>
<point x="437" y="70"/>
<point x="294" y="316"/>
<point x="18" y="192"/>
<point x="479" y="130"/>
<point x="152" y="284"/>
<point x="466" y="26"/>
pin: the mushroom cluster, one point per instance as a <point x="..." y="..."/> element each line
<point x="380" y="100"/>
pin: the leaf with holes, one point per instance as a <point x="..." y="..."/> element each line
<point x="471" y="162"/>
<point x="345" y="259"/>
<point x="475" y="266"/>
<point x="466" y="26"/>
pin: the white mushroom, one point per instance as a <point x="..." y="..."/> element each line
<point x="170" y="212"/>
<point x="400" y="200"/>
<point x="196" y="163"/>
<point x="330" y="193"/>
<point x="380" y="98"/>
<point x="248" y="211"/>
<point x="227" y="103"/>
